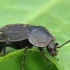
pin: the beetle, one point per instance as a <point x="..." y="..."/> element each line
<point x="26" y="36"/>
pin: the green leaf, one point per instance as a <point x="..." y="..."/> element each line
<point x="52" y="14"/>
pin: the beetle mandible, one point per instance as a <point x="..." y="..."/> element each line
<point x="20" y="36"/>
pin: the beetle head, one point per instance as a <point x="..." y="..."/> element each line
<point x="51" y="48"/>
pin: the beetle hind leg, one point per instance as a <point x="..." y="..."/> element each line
<point x="41" y="50"/>
<point x="3" y="51"/>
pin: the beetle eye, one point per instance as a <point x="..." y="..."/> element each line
<point x="56" y="44"/>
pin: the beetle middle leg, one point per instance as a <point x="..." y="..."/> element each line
<point x="24" y="57"/>
<point x="41" y="50"/>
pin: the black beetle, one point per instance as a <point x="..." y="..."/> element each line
<point x="20" y="36"/>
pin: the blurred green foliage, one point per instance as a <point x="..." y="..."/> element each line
<point x="52" y="14"/>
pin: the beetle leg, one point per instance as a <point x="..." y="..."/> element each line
<point x="41" y="50"/>
<point x="24" y="57"/>
<point x="4" y="50"/>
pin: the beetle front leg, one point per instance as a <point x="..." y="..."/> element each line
<point x="24" y="57"/>
<point x="41" y="50"/>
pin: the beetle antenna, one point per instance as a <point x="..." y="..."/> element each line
<point x="63" y="44"/>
